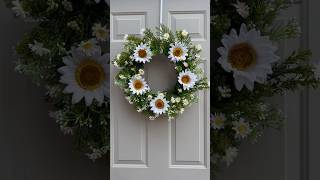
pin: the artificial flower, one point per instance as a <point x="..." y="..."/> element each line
<point x="100" y="32"/>
<point x="187" y="79"/>
<point x="142" y="53"/>
<point x="90" y="47"/>
<point x="86" y="76"/>
<point x="138" y="85"/>
<point x="230" y="154"/>
<point x="248" y="55"/>
<point x="159" y="105"/>
<point x="241" y="128"/>
<point x="178" y="52"/>
<point x="242" y="9"/>
<point x="217" y="121"/>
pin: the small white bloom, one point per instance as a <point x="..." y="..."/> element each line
<point x="198" y="56"/>
<point x="230" y="154"/>
<point x="185" y="64"/>
<point x="38" y="48"/>
<point x="242" y="128"/>
<point x="173" y="100"/>
<point x="125" y="38"/>
<point x="178" y="99"/>
<point x="184" y="33"/>
<point x="149" y="97"/>
<point x="185" y="102"/>
<point x="225" y="92"/>
<point x="217" y="121"/>
<point x="142" y="31"/>
<point x="152" y="118"/>
<point x="198" y="47"/>
<point x="73" y="25"/>
<point x="179" y="90"/>
<point x="161" y="95"/>
<point x="242" y="8"/>
<point x="181" y="110"/>
<point x="141" y="71"/>
<point x="90" y="47"/>
<point x="100" y="32"/>
<point x="121" y="76"/>
<point x="166" y="36"/>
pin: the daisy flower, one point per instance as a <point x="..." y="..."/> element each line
<point x="248" y="55"/>
<point x="90" y="47"/>
<point x="138" y="85"/>
<point x="142" y="53"/>
<point x="178" y="52"/>
<point x="86" y="76"/>
<point x="217" y="121"/>
<point x="187" y="79"/>
<point x="100" y="32"/>
<point x="241" y="128"/>
<point x="159" y="105"/>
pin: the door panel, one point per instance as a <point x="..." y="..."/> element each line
<point x="159" y="150"/>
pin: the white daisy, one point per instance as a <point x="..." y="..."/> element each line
<point x="38" y="48"/>
<point x="86" y="76"/>
<point x="142" y="53"/>
<point x="217" y="121"/>
<point x="242" y="9"/>
<point x="241" y="128"/>
<point x="178" y="52"/>
<point x="138" y="85"/>
<point x="187" y="79"/>
<point x="18" y="9"/>
<point x="159" y="105"/>
<point x="90" y="47"/>
<point x="230" y="154"/>
<point x="248" y="55"/>
<point x="100" y="32"/>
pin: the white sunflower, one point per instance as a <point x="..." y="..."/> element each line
<point x="142" y="53"/>
<point x="86" y="76"/>
<point x="187" y="79"/>
<point x="248" y="55"/>
<point x="138" y="85"/>
<point x="159" y="105"/>
<point x="178" y="52"/>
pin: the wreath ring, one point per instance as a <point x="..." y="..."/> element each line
<point x="180" y="51"/>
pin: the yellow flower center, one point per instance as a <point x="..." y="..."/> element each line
<point x="242" y="56"/>
<point x="242" y="129"/>
<point x="102" y="33"/>
<point x="142" y="53"/>
<point x="219" y="121"/>
<point x="87" y="45"/>
<point x="186" y="79"/>
<point x="90" y="75"/>
<point x="138" y="84"/>
<point x="177" y="52"/>
<point x="159" y="104"/>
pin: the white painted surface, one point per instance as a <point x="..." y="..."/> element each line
<point x="159" y="150"/>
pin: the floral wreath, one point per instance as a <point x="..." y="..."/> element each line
<point x="243" y="33"/>
<point x="180" y="51"/>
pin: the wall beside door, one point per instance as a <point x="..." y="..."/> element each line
<point x="31" y="144"/>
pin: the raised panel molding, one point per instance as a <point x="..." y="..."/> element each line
<point x="127" y="23"/>
<point x="178" y="143"/>
<point x="192" y="21"/>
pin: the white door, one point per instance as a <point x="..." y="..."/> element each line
<point x="159" y="150"/>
